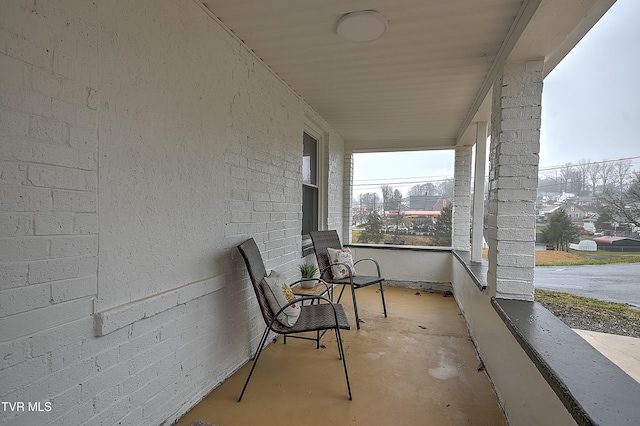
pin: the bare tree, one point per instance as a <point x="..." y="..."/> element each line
<point x="582" y="174"/>
<point x="606" y="169"/>
<point x="445" y="187"/>
<point x="623" y="206"/>
<point x="575" y="183"/>
<point x="387" y="197"/>
<point x="422" y="189"/>
<point x="548" y="182"/>
<point x="566" y="173"/>
<point x="622" y="172"/>
<point x="369" y="202"/>
<point x="594" y="176"/>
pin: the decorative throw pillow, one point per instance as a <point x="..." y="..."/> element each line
<point x="343" y="257"/>
<point x="279" y="294"/>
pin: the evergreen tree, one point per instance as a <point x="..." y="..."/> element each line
<point x="560" y="231"/>
<point x="372" y="232"/>
<point x="442" y="228"/>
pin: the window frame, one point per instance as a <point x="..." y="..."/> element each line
<point x="315" y="131"/>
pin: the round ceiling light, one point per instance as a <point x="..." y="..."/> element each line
<point x="362" y="26"/>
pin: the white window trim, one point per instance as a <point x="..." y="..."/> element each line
<point x="318" y="132"/>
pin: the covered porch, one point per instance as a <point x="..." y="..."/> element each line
<point x="141" y="142"/>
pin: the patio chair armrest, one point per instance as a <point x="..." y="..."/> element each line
<point x="302" y="299"/>
<point x="346" y="266"/>
<point x="371" y="260"/>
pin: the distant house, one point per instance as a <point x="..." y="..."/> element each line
<point x="545" y="212"/>
<point x="428" y="202"/>
<point x="609" y="243"/>
<point x="584" y="200"/>
<point x="575" y="212"/>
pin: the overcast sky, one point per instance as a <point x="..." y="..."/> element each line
<point x="591" y="101"/>
<point x="590" y="109"/>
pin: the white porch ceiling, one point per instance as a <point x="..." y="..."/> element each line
<point x="423" y="82"/>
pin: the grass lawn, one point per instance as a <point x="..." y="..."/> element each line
<point x="591" y="314"/>
<point x="585" y="304"/>
<point x="409" y="240"/>
<point x="574" y="257"/>
<point x="543" y="258"/>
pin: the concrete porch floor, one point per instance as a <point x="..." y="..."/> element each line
<point x="416" y="367"/>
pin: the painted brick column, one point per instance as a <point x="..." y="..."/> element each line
<point x="461" y="239"/>
<point x="348" y="197"/>
<point x="477" y="218"/>
<point x="513" y="180"/>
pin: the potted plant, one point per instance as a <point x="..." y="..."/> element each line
<point x="307" y="271"/>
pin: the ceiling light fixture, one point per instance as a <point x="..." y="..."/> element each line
<point x="362" y="26"/>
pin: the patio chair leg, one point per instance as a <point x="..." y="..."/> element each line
<point x="339" y="343"/>
<point x="344" y="362"/>
<point x="355" y="307"/>
<point x="384" y="306"/>
<point x="341" y="291"/>
<point x="255" y="361"/>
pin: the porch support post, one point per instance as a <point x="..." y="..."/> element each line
<point x="513" y="179"/>
<point x="462" y="199"/>
<point x="347" y="188"/>
<point x="477" y="218"/>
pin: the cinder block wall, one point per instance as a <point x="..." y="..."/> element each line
<point x="139" y="143"/>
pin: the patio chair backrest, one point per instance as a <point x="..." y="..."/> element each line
<point x="253" y="259"/>
<point x="322" y="240"/>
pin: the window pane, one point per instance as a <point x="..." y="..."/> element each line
<point x="309" y="160"/>
<point x="309" y="209"/>
<point x="403" y="197"/>
<point x="309" y="188"/>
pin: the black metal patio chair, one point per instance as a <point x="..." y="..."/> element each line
<point x="322" y="240"/>
<point x="320" y="316"/>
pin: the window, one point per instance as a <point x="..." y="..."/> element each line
<point x="309" y="187"/>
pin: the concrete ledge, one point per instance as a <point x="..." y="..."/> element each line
<point x="478" y="271"/>
<point x="121" y="316"/>
<point x="400" y="247"/>
<point x="592" y="388"/>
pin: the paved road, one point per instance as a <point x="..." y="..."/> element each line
<point x="614" y="283"/>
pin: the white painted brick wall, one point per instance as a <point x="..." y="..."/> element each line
<point x="39" y="109"/>
<point x="461" y="221"/>
<point x="515" y="145"/>
<point x="120" y="184"/>
<point x="336" y="201"/>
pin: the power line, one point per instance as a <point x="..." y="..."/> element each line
<point x="549" y="168"/>
<point x="391" y="183"/>
<point x="416" y="180"/>
<point x="438" y="178"/>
